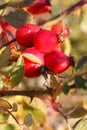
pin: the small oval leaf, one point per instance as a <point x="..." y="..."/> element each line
<point x="66" y="88"/>
<point x="5" y="104"/>
<point x="81" y="62"/>
<point x="32" y="58"/>
<point x="80" y="82"/>
<point x="28" y="121"/>
<point x="15" y="107"/>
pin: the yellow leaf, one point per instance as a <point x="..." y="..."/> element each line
<point x="5" y="104"/>
<point x="32" y="58"/>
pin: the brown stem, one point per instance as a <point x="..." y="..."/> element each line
<point x="65" y="12"/>
<point x="57" y="90"/>
<point x="28" y="93"/>
<point x="8" y="43"/>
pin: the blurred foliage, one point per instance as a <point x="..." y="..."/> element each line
<point x="72" y="95"/>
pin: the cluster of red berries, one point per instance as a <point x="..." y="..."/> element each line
<point x="41" y="55"/>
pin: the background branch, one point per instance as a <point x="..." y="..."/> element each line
<point x="56" y="18"/>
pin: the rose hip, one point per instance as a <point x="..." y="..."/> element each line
<point x="57" y="61"/>
<point x="60" y="29"/>
<point x="45" y="41"/>
<point x="24" y="34"/>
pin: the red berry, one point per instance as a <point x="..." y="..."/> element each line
<point x="43" y="6"/>
<point x="57" y="61"/>
<point x="59" y="29"/>
<point x="24" y="34"/>
<point x="45" y="41"/>
<point x="33" y="63"/>
<point x="66" y="31"/>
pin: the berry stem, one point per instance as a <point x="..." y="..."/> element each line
<point x="8" y="43"/>
<point x="74" y="7"/>
<point x="57" y="90"/>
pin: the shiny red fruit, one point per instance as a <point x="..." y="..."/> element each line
<point x="45" y="41"/>
<point x="43" y="6"/>
<point x="33" y="60"/>
<point x="57" y="61"/>
<point x="60" y="29"/>
<point x="24" y="34"/>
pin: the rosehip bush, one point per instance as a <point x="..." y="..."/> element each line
<point x="43" y="63"/>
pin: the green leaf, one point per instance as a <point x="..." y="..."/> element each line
<point x="82" y="125"/>
<point x="81" y="62"/>
<point x="39" y="116"/>
<point x="80" y="82"/>
<point x="8" y="127"/>
<point x="4" y="117"/>
<point x="28" y="121"/>
<point x="8" y="69"/>
<point x="18" y="72"/>
<point x="15" y="107"/>
<point x="78" y="112"/>
<point x="4" y="56"/>
<point x="66" y="88"/>
<point x="20" y="17"/>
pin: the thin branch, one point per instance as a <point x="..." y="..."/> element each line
<point x="28" y="93"/>
<point x="64" y="13"/>
<point x="8" y="43"/>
